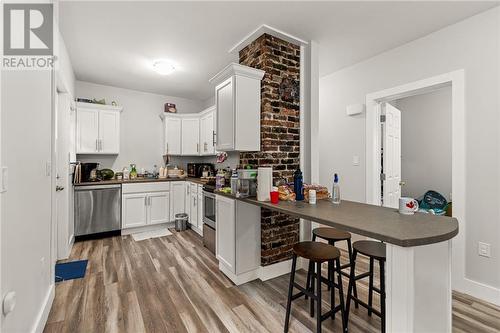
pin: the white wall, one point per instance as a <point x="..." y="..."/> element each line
<point x="472" y="45"/>
<point x="426" y="143"/>
<point x="26" y="205"/>
<point x="141" y="128"/>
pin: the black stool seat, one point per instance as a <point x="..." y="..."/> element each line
<point x="331" y="234"/>
<point x="315" y="251"/>
<point x="370" y="249"/>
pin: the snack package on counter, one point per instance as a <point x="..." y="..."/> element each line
<point x="321" y="191"/>
<point x="286" y="193"/>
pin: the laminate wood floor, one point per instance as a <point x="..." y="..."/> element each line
<point x="172" y="284"/>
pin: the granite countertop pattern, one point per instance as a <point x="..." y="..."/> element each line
<point x="382" y="223"/>
<point x="140" y="180"/>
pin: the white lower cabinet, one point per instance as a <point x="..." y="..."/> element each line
<point x="134" y="210"/>
<point x="145" y="204"/>
<point x="225" y="210"/>
<point x="158" y="207"/>
<point x="200" y="209"/>
<point x="238" y="239"/>
<point x="177" y="194"/>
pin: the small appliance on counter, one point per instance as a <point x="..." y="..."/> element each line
<point x="247" y="183"/>
<point x="199" y="170"/>
<point x="86" y="172"/>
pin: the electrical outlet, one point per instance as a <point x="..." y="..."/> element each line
<point x="484" y="250"/>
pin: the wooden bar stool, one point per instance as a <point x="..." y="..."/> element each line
<point x="333" y="235"/>
<point x="317" y="253"/>
<point x="375" y="251"/>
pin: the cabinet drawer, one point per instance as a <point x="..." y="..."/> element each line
<point x="146" y="187"/>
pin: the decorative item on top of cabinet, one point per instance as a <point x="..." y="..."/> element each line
<point x="97" y="128"/>
<point x="237" y="102"/>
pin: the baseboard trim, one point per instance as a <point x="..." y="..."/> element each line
<point x="480" y="290"/>
<point x="241" y="278"/>
<point x="274" y="270"/>
<point x="43" y="315"/>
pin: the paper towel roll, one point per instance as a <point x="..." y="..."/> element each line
<point x="264" y="183"/>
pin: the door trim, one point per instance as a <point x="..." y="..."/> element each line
<point x="456" y="80"/>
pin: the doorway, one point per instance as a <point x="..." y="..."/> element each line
<point x="416" y="150"/>
<point x="374" y="102"/>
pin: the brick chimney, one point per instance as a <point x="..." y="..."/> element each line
<point x="280" y="134"/>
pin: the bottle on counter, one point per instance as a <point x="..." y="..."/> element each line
<point x="234" y="182"/>
<point x="220" y="179"/>
<point x="126" y="173"/>
<point x="133" y="171"/>
<point x="336" y="190"/>
<point x="298" y="185"/>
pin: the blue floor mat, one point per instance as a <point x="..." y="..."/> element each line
<point x="71" y="270"/>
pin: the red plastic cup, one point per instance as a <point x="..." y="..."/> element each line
<point x="275" y="197"/>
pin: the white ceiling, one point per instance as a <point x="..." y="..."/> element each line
<point x="115" y="43"/>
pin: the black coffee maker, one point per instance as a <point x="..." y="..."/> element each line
<point x="87" y="170"/>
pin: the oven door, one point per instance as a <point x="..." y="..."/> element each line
<point x="209" y="209"/>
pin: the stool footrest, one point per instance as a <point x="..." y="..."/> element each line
<point x="360" y="302"/>
<point x="303" y="292"/>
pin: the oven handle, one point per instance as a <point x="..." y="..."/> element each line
<point x="209" y="194"/>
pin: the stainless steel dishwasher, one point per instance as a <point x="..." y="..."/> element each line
<point x="97" y="209"/>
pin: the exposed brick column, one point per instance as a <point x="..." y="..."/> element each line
<point x="280" y="138"/>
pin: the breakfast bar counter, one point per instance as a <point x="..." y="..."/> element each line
<point x="418" y="256"/>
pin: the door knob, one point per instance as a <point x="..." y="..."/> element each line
<point x="402" y="183"/>
<point x="59" y="188"/>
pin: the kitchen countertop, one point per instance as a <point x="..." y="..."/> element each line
<point x="141" y="180"/>
<point x="382" y="223"/>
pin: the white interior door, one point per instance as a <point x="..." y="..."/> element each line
<point x="392" y="156"/>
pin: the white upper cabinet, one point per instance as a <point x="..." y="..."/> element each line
<point x="172" y="135"/>
<point x="237" y="103"/>
<point x="87" y="131"/>
<point x="97" y="129"/>
<point x="207" y="132"/>
<point x="109" y="132"/>
<point x="190" y="136"/>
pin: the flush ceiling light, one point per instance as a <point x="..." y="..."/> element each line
<point x="163" y="67"/>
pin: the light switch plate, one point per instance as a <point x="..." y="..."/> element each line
<point x="4" y="179"/>
<point x="484" y="249"/>
<point x="355" y="160"/>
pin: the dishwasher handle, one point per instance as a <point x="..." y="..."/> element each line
<point x="97" y="187"/>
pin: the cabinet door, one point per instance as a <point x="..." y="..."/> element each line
<point x="200" y="208"/>
<point x="190" y="136"/>
<point x="177" y="197"/>
<point x="172" y="136"/>
<point x="225" y="217"/>
<point x="224" y="101"/>
<point x="134" y="212"/>
<point x="187" y="200"/>
<point x="87" y="131"/>
<point x="207" y="140"/>
<point x="194" y="207"/>
<point x="109" y="132"/>
<point x="158" y="207"/>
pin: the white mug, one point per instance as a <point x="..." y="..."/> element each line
<point x="407" y="206"/>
